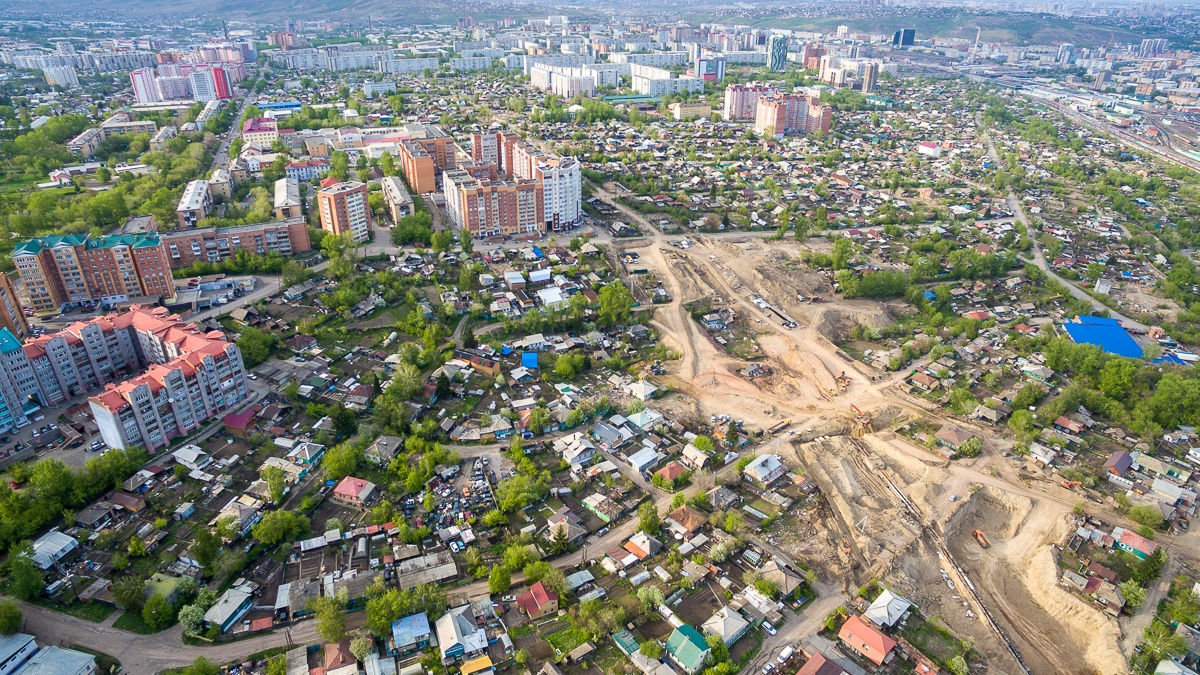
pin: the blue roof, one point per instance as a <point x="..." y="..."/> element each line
<point x="410" y="630"/>
<point x="282" y="105"/>
<point x="529" y="359"/>
<point x="929" y="295"/>
<point x="1170" y="358"/>
<point x="1109" y="337"/>
<point x="8" y="341"/>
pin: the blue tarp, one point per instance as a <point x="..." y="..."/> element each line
<point x="505" y="350"/>
<point x="538" y="252"/>
<point x="1109" y="337"/>
<point x="1171" y="359"/>
<point x="929" y="295"/>
<point x="529" y="360"/>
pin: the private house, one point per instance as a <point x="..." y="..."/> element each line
<point x="354" y="491"/>
<point x="239" y="425"/>
<point x="381" y="452"/>
<point x="694" y="457"/>
<point x="339" y="660"/>
<point x="787" y="580"/>
<point x="1132" y="542"/>
<point x="867" y="640"/>
<point x="230" y="607"/>
<point x="643" y="545"/>
<point x="192" y="457"/>
<point x="1118" y="463"/>
<point x="817" y="664"/>
<point x="565" y="521"/>
<point x="688" y="649"/>
<point x="688" y="519"/>
<point x="764" y="469"/>
<point x="887" y="609"/>
<point x="952" y="437"/>
<point x="459" y="635"/>
<point x="538" y="601"/>
<point x="51" y="548"/>
<point x="726" y="624"/>
<point x="410" y="634"/>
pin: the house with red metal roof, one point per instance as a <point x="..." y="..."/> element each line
<point x="538" y="601"/>
<point x="354" y="491"/>
<point x="867" y="640"/>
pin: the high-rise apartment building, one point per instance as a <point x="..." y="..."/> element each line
<point x="69" y="270"/>
<point x="493" y="208"/>
<point x="870" y="76"/>
<point x="741" y="100"/>
<point x="343" y="208"/>
<point x="777" y="49"/>
<point x="395" y="196"/>
<point x="1152" y="47"/>
<point x="560" y="178"/>
<point x="190" y="376"/>
<point x="791" y="114"/>
<point x="12" y="316"/>
<point x="145" y="87"/>
<point x="424" y="156"/>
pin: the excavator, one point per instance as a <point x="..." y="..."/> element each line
<point x="843" y="381"/>
<point x="864" y="423"/>
<point x="1071" y="484"/>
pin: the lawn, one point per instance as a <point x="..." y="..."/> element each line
<point x="567" y="639"/>
<point x="132" y="622"/>
<point x="91" y="611"/>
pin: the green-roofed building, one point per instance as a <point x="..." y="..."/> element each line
<point x="688" y="649"/>
<point x="74" y="269"/>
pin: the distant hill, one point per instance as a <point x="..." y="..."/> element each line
<point x="266" y="11"/>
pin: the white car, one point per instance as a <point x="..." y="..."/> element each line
<point x="768" y="668"/>
<point x="769" y="628"/>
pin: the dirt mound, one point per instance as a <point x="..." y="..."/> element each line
<point x="1016" y="578"/>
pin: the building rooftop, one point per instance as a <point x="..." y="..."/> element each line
<point x="193" y="196"/>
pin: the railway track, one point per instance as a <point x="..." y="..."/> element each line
<point x="934" y="538"/>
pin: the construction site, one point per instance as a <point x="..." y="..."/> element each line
<point x="969" y="541"/>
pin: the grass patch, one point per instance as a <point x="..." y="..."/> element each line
<point x="937" y="642"/>
<point x="88" y="611"/>
<point x="132" y="622"/>
<point x="567" y="639"/>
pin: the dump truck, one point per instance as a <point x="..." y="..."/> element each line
<point x="982" y="538"/>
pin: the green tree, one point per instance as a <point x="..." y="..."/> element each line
<point x="703" y="444"/>
<point x="279" y="526"/>
<point x="158" y="613"/>
<point x="25" y="580"/>
<point x="202" y="666"/>
<point x="1160" y="641"/>
<point x="650" y="596"/>
<point x="191" y="618"/>
<point x="1147" y="515"/>
<point x="615" y="304"/>
<point x="648" y="520"/>
<point x="499" y="580"/>
<point x="205" y="545"/>
<point x="1148" y="570"/>
<point x="276" y="483"/>
<point x="361" y="647"/>
<point x="330" y="614"/>
<point x="733" y="522"/>
<point x="651" y="649"/>
<point x="256" y="346"/>
<point x="130" y="593"/>
<point x="278" y="663"/>
<point x="10" y="617"/>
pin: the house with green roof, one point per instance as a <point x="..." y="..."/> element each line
<point x="166" y="585"/>
<point x="688" y="649"/>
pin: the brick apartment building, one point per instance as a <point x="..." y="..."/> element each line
<point x="73" y="269"/>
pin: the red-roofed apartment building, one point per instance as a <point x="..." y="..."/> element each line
<point x="190" y="376"/>
<point x="538" y="601"/>
<point x="866" y="640"/>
